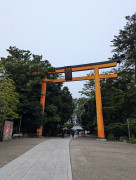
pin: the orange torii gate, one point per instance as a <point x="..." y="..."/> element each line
<point x="68" y="77"/>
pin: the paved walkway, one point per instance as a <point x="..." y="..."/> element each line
<point x="50" y="160"/>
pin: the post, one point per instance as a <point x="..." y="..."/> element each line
<point x="20" y="123"/>
<point x="100" y="123"/>
<point x="42" y="102"/>
<point x="128" y="129"/>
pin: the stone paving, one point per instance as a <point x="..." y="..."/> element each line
<point x="10" y="150"/>
<point x="50" y="160"/>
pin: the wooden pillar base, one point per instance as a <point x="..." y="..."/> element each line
<point x="39" y="131"/>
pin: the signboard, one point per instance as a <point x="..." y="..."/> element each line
<point x="68" y="73"/>
<point x="8" y="129"/>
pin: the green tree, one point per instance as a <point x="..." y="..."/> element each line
<point x="21" y="65"/>
<point x="125" y="43"/>
<point x="89" y="88"/>
<point x="88" y="117"/>
<point x="118" y="101"/>
<point x="8" y="99"/>
<point x="58" y="107"/>
<point x="79" y="108"/>
<point x="67" y="105"/>
<point x="118" y="94"/>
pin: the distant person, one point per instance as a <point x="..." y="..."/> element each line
<point x="73" y="133"/>
<point x="68" y="132"/>
<point x="62" y="134"/>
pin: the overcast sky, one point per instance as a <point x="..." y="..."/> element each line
<point x="65" y="32"/>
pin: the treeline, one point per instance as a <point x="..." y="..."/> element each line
<point x="118" y="94"/>
<point x="21" y="88"/>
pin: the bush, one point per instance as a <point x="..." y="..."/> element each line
<point x="116" y="130"/>
<point x="132" y="140"/>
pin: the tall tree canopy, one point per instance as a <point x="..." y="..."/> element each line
<point x="28" y="71"/>
<point x="118" y="94"/>
<point x="20" y="65"/>
<point x="125" y="43"/>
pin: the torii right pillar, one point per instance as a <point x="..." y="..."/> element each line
<point x="100" y="124"/>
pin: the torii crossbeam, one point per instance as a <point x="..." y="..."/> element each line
<point x="68" y="77"/>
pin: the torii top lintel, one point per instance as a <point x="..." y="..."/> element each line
<point x="83" y="67"/>
<point x="69" y="69"/>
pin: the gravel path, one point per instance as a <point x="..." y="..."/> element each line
<point x="96" y="160"/>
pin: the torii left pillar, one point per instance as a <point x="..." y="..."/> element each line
<point x="42" y="102"/>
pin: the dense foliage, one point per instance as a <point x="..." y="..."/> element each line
<point x="21" y="66"/>
<point x="118" y="94"/>
<point x="79" y="108"/>
<point x="125" y="43"/>
<point x="8" y="99"/>
<point x="58" y="108"/>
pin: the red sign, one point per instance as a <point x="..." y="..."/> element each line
<point x="7" y="132"/>
<point x="7" y="129"/>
